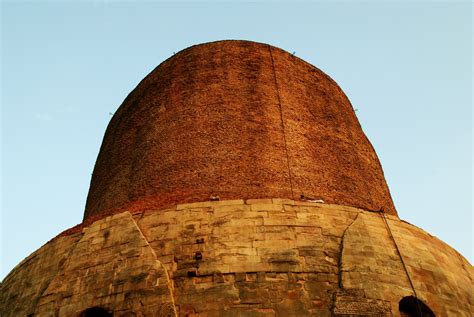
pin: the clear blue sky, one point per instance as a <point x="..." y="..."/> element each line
<point x="406" y="67"/>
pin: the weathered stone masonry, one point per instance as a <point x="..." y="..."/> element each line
<point x="265" y="257"/>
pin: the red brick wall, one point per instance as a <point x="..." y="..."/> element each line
<point x="235" y="119"/>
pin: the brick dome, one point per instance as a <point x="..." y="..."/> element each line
<point x="235" y="119"/>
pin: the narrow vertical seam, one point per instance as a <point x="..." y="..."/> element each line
<point x="359" y="166"/>
<point x="382" y="214"/>
<point x="282" y="123"/>
<point x="169" y="282"/>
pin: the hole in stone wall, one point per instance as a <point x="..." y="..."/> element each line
<point x="198" y="256"/>
<point x="96" y="312"/>
<point x="409" y="306"/>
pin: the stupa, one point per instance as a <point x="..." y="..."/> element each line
<point x="235" y="180"/>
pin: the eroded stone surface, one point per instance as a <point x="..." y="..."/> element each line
<point x="113" y="267"/>
<point x="370" y="262"/>
<point x="23" y="287"/>
<point x="261" y="257"/>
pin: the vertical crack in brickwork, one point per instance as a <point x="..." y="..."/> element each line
<point x="339" y="264"/>
<point x="168" y="280"/>
<point x="341" y="250"/>
<point x="359" y="166"/>
<point x="390" y="234"/>
<point x="282" y="123"/>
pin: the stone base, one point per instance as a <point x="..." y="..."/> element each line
<point x="266" y="257"/>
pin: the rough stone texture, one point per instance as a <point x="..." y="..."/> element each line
<point x="260" y="257"/>
<point x="238" y="120"/>
<point x="353" y="302"/>
<point x="26" y="283"/>
<point x="111" y="266"/>
<point x="439" y="273"/>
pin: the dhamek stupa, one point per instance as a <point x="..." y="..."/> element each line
<point x="235" y="180"/>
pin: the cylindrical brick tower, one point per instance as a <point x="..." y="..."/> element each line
<point x="235" y="180"/>
<point x="237" y="120"/>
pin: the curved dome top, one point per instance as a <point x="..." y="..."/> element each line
<point x="237" y="120"/>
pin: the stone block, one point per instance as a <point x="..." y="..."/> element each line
<point x="276" y="244"/>
<point x="230" y="209"/>
<point x="235" y="259"/>
<point x="265" y="207"/>
<point x="194" y="205"/>
<point x="249" y="267"/>
<point x="259" y="201"/>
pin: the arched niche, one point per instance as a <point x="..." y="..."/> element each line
<point x="96" y="312"/>
<point x="410" y="306"/>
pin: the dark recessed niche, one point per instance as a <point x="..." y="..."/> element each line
<point x="96" y="312"/>
<point x="410" y="306"/>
